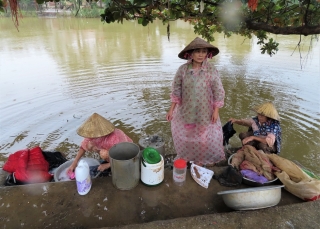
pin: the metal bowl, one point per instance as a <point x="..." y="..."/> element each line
<point x="63" y="167"/>
<point x="252" y="198"/>
<point x="250" y="182"/>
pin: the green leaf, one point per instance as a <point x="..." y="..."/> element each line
<point x="116" y="15"/>
<point x="107" y="2"/>
<point x="140" y="20"/>
<point x="282" y="3"/>
<point x="145" y="22"/>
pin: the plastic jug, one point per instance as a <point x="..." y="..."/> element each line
<point x="83" y="178"/>
<point x="179" y="171"/>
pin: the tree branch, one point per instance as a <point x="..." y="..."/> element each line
<point x="304" y="30"/>
<point x="211" y="3"/>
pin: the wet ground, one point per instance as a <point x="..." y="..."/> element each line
<point x="303" y="215"/>
<point x="58" y="205"/>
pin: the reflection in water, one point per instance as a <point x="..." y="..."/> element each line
<point x="56" y="72"/>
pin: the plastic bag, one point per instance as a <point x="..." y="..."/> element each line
<point x="253" y="176"/>
<point x="55" y="159"/>
<point x="230" y="177"/>
<point x="201" y="175"/>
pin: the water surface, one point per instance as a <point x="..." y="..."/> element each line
<point x="56" y="72"/>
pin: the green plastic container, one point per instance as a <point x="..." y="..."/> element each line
<point x="151" y="156"/>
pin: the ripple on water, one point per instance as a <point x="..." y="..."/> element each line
<point x="52" y="88"/>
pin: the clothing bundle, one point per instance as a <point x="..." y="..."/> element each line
<point x="254" y="164"/>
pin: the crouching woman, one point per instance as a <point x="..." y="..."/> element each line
<point x="264" y="131"/>
<point x="99" y="136"/>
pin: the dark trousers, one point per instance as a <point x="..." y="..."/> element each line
<point x="258" y="145"/>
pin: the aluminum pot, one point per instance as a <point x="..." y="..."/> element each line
<point x="125" y="165"/>
<point x="153" y="141"/>
<point x="252" y="198"/>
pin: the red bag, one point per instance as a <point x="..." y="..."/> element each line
<point x="28" y="166"/>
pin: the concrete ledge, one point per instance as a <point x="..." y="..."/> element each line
<point x="58" y="205"/>
<point x="303" y="215"/>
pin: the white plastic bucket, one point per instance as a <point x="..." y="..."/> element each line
<point x="83" y="178"/>
<point x="152" y="174"/>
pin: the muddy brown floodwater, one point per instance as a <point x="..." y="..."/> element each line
<point x="56" y="72"/>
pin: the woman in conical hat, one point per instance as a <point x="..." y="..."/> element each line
<point x="196" y="97"/>
<point x="264" y="129"/>
<point x="99" y="136"/>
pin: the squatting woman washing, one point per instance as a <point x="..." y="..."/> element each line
<point x="99" y="136"/>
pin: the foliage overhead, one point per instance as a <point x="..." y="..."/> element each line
<point x="243" y="17"/>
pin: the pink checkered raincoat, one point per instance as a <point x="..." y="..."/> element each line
<point x="196" y="93"/>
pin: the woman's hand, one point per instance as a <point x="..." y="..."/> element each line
<point x="169" y="115"/>
<point x="104" y="154"/>
<point x="74" y="164"/>
<point x="233" y="120"/>
<point x="259" y="138"/>
<point x="215" y="115"/>
<point x="248" y="139"/>
<point x="71" y="168"/>
<point x="103" y="167"/>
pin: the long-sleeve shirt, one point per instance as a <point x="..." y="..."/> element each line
<point x="105" y="142"/>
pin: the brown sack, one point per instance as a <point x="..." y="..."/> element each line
<point x="306" y="189"/>
<point x="293" y="171"/>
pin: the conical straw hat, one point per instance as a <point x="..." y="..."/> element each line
<point x="95" y="126"/>
<point x="267" y="109"/>
<point x="198" y="43"/>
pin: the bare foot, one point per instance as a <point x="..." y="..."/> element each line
<point x="209" y="165"/>
<point x="103" y="167"/>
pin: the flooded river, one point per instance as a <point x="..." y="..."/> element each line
<point x="56" y="72"/>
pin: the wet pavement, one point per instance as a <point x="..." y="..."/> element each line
<point x="58" y="205"/>
<point x="299" y="216"/>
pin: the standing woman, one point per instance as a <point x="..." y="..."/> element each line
<point x="196" y="97"/>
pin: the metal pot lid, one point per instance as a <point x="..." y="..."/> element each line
<point x="151" y="155"/>
<point x="153" y="141"/>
